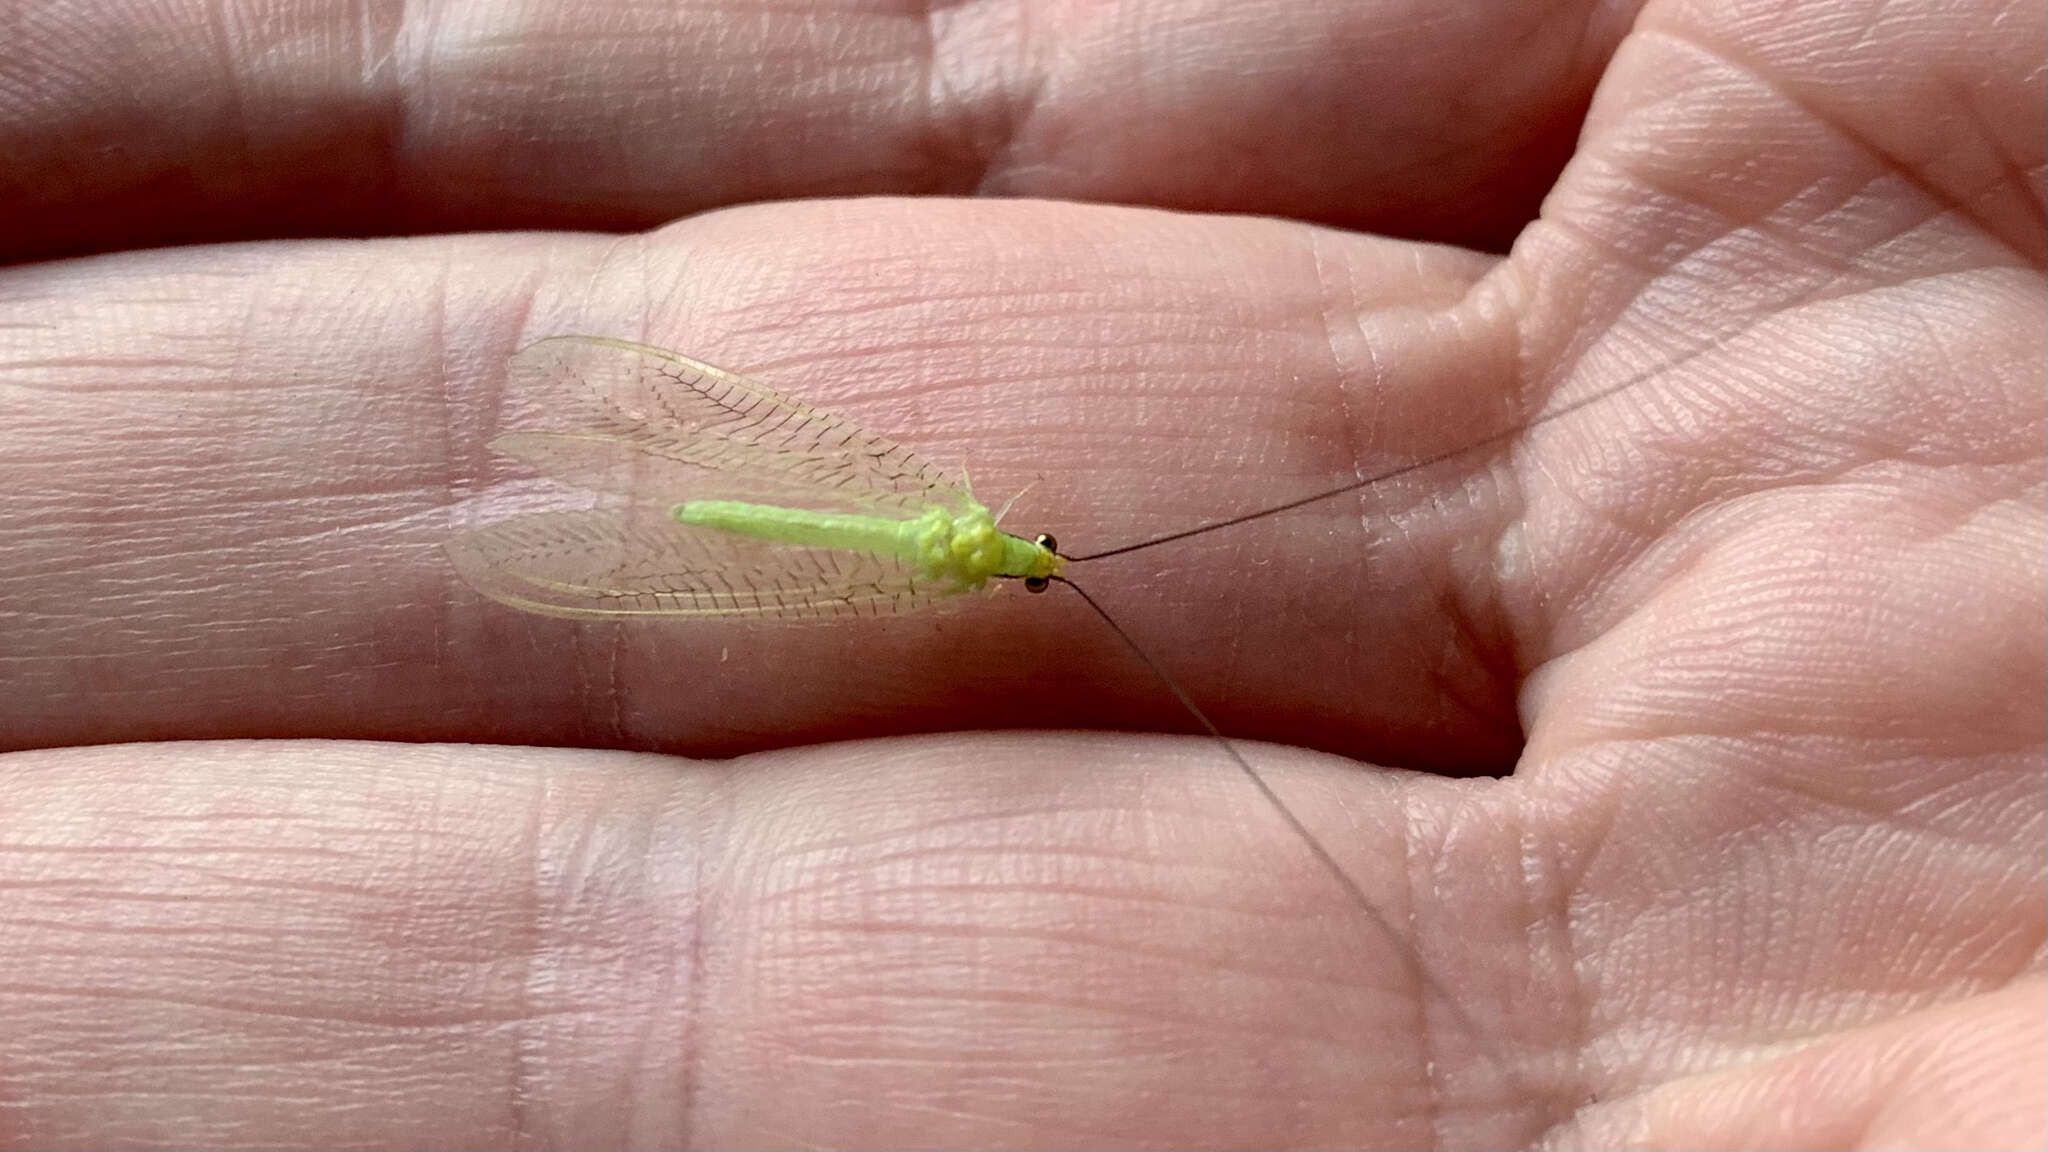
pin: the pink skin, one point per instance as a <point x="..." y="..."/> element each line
<point x="1761" y="638"/>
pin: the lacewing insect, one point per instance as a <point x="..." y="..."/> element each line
<point x="811" y="517"/>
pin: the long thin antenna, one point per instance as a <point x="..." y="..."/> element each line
<point x="1376" y="478"/>
<point x="1323" y="856"/>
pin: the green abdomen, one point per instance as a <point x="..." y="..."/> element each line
<point x="844" y="531"/>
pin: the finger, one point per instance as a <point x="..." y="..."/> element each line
<point x="126" y="125"/>
<point x="1031" y="942"/>
<point x="229" y="474"/>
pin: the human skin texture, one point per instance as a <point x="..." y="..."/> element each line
<point x="1686" y="749"/>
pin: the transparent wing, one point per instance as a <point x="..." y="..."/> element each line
<point x="615" y="565"/>
<point x="658" y="421"/>
<point x="621" y="465"/>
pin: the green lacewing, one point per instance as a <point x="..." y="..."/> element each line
<point x="794" y="511"/>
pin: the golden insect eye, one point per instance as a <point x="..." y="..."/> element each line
<point x="1036" y="583"/>
<point x="1046" y="542"/>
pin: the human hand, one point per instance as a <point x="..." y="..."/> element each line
<point x="1761" y="636"/>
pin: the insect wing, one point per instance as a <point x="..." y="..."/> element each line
<point x="685" y="418"/>
<point x="622" y="464"/>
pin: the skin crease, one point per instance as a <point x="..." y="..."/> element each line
<point x="305" y="845"/>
